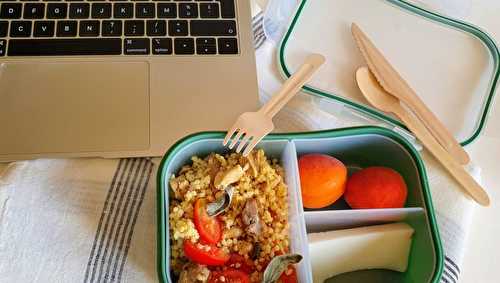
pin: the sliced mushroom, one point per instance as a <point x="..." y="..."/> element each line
<point x="228" y="177"/>
<point x="250" y="217"/>
<point x="222" y="203"/>
<point x="192" y="272"/>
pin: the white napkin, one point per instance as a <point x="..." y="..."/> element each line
<point x="70" y="219"/>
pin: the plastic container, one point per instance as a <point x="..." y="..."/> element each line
<point x="356" y="147"/>
<point x="453" y="66"/>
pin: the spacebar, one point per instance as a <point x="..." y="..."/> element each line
<point x="64" y="47"/>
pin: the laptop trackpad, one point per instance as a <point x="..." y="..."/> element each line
<point x="74" y="107"/>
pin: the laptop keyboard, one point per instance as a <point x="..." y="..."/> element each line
<point x="118" y="27"/>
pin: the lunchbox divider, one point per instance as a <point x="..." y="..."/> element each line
<point x="296" y="217"/>
<point x="326" y="220"/>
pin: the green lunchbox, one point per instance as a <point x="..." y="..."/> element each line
<point x="356" y="147"/>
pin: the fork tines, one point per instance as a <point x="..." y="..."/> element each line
<point x="245" y="140"/>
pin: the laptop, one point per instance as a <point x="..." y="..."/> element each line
<point x="120" y="78"/>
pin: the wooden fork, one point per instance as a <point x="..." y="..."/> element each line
<point x="251" y="127"/>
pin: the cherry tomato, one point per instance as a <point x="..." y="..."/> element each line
<point x="209" y="228"/>
<point x="288" y="276"/>
<point x="239" y="262"/>
<point x="229" y="276"/>
<point x="205" y="253"/>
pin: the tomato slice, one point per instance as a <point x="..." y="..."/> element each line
<point x="239" y="262"/>
<point x="288" y="276"/>
<point x="229" y="276"/>
<point x="205" y="253"/>
<point x="209" y="228"/>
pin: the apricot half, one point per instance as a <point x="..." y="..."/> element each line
<point x="322" y="179"/>
<point x="376" y="187"/>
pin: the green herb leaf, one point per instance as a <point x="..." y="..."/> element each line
<point x="278" y="265"/>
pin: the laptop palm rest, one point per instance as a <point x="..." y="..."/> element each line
<point x="73" y="107"/>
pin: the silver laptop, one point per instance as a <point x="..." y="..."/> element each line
<point x="120" y="78"/>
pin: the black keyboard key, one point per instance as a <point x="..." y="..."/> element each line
<point x="162" y="46"/>
<point x="184" y="46"/>
<point x="206" y="46"/>
<point x="177" y="28"/>
<point x="4" y="28"/>
<point x="3" y="46"/>
<point x="44" y="29"/>
<point x="213" y="28"/>
<point x="123" y="10"/>
<point x="205" y="41"/>
<point x="209" y="10"/>
<point x="144" y="10"/>
<point x="227" y="45"/>
<point x="57" y="10"/>
<point x="67" y="28"/>
<point x="79" y="10"/>
<point x="227" y="8"/>
<point x="89" y="28"/>
<point x="101" y="11"/>
<point x="156" y="28"/>
<point x="134" y="28"/>
<point x="111" y="28"/>
<point x="136" y="46"/>
<point x="11" y="10"/>
<point x="20" y="28"/>
<point x="167" y="10"/>
<point x="63" y="47"/>
<point x="34" y="11"/>
<point x="188" y="10"/>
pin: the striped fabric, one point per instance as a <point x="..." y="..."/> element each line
<point x="450" y="271"/>
<point x="258" y="30"/>
<point x="117" y="221"/>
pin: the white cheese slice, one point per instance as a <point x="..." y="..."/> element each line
<point x="382" y="246"/>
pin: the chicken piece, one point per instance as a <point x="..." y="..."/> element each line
<point x="233" y="175"/>
<point x="179" y="187"/>
<point x="250" y="217"/>
<point x="251" y="161"/>
<point x="192" y="273"/>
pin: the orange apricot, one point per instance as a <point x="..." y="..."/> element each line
<point x="376" y="187"/>
<point x="322" y="180"/>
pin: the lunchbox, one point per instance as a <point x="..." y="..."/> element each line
<point x="357" y="147"/>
